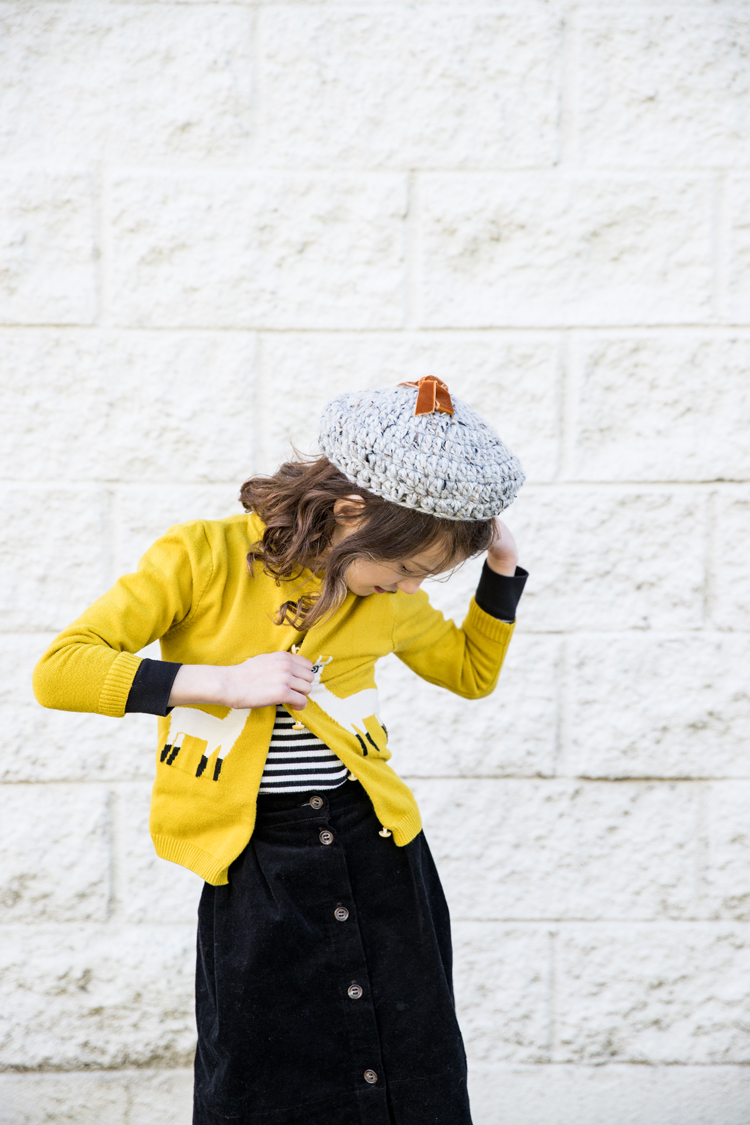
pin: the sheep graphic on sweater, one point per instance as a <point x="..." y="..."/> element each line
<point x="351" y="712"/>
<point x="218" y="734"/>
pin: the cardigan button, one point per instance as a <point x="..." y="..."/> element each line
<point x="371" y="1077"/>
<point x="354" y="991"/>
<point x="317" y="802"/>
<point x="326" y="837"/>
<point x="341" y="913"/>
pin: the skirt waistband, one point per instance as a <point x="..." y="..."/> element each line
<point x="351" y="792"/>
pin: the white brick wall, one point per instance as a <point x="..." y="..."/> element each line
<point x="214" y="216"/>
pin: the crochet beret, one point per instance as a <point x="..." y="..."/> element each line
<point x="441" y="458"/>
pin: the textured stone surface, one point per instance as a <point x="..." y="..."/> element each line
<point x="616" y="559"/>
<point x="240" y="251"/>
<point x="529" y="250"/>
<point x="43" y="745"/>
<point x="78" y="1099"/>
<point x="54" y="853"/>
<point x="47" y="247"/>
<point x="148" y="889"/>
<point x="562" y="849"/>
<point x="125" y="406"/>
<point x="512" y="732"/>
<point x="665" y="87"/>
<point x="727" y="877"/>
<point x="399" y="87"/>
<point x="120" y="1097"/>
<point x="143" y="513"/>
<point x="661" y="408"/>
<point x="160" y="1098"/>
<point x="681" y="706"/>
<point x="96" y="997"/>
<point x="137" y="84"/>
<point x="615" y="1094"/>
<point x="730" y="587"/>
<point x="502" y="991"/>
<point x="738" y="245"/>
<point x="513" y="380"/>
<point x="654" y="994"/>
<point x="53" y="554"/>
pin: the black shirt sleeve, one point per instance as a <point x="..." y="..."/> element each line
<point x="498" y="594"/>
<point x="151" y="687"/>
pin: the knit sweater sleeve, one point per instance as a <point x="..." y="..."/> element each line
<point x="465" y="660"/>
<point x="92" y="664"/>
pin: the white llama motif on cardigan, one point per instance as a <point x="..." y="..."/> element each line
<point x="218" y="734"/>
<point x="351" y="712"/>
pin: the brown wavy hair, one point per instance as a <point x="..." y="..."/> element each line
<point x="296" y="506"/>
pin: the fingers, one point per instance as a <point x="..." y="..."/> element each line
<point x="296" y="683"/>
<point x="296" y="701"/>
<point x="299" y="665"/>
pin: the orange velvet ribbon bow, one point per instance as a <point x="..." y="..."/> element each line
<point x="433" y="396"/>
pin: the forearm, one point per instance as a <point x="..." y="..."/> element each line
<point x="260" y="681"/>
<point x="160" y="685"/>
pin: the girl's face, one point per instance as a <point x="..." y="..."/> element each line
<point x="366" y="576"/>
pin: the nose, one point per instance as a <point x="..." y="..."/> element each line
<point x="410" y="585"/>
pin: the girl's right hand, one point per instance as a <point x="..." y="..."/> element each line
<point x="261" y="681"/>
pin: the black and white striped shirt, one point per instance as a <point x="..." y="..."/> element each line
<point x="298" y="761"/>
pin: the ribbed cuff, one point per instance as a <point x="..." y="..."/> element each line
<point x="499" y="594"/>
<point x="114" y="694"/>
<point x="151" y="688"/>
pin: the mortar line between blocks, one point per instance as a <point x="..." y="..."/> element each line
<point x="109" y="534"/>
<point x="413" y="256"/>
<point x="258" y="457"/>
<point x="624" y="331"/>
<point x="553" y="1014"/>
<point x="256" y="99"/>
<point x="127" y="1087"/>
<point x="105" y="247"/>
<point x="702" y="852"/>
<point x="709" y="560"/>
<point x="113" y="817"/>
<point x="569" y="88"/>
<point x="720" y="238"/>
<point x="562" y="733"/>
<point x="568" y="407"/>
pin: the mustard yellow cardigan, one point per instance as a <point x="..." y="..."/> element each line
<point x="193" y="592"/>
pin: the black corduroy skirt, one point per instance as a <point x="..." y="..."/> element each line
<point x="323" y="987"/>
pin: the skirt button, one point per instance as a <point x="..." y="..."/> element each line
<point x="316" y="802"/>
<point x="354" y="991"/>
<point x="326" y="837"/>
<point x="371" y="1077"/>
<point x="341" y="913"/>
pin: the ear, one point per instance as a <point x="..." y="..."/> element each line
<point x="347" y="508"/>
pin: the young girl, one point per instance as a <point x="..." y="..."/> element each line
<point x="323" y="989"/>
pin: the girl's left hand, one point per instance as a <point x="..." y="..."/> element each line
<point x="502" y="557"/>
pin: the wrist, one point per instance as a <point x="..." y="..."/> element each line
<point x="200" y="683"/>
<point x="506" y="565"/>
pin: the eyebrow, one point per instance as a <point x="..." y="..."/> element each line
<point x="415" y="574"/>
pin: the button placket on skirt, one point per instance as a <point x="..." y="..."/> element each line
<point x="362" y="1027"/>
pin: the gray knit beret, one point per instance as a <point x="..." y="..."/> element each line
<point x="451" y="465"/>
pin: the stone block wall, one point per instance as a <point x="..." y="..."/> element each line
<point x="215" y="216"/>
